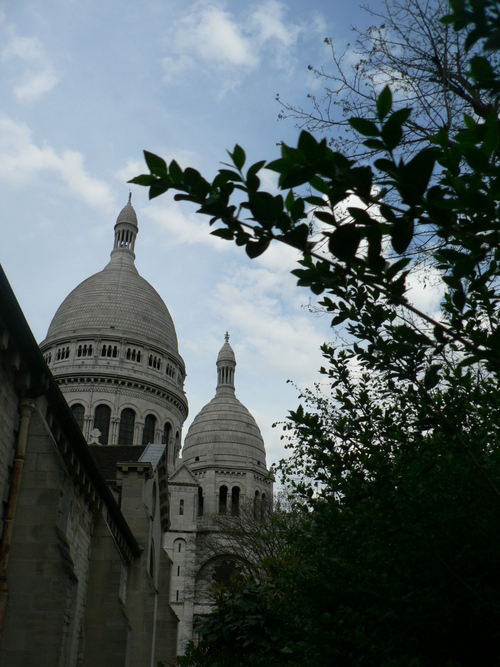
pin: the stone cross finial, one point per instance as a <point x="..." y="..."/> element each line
<point x="226" y="337"/>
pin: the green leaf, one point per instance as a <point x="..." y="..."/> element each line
<point x="325" y="217"/>
<point x="392" y="130"/>
<point x="385" y="165"/>
<point x="297" y="175"/>
<point x="224" y="233"/>
<point x="314" y="201"/>
<point x="387" y="212"/>
<point x="238" y="157"/>
<point x="175" y="171"/>
<point x="416" y="174"/>
<point x="393" y="269"/>
<point x="458" y="298"/>
<point x="156" y="164"/>
<point x="365" y="127"/>
<point x="492" y="135"/>
<point x="401" y="235"/>
<point x="481" y="69"/>
<point x="158" y="188"/>
<point x="307" y="144"/>
<point x="384" y="103"/>
<point x="297" y="237"/>
<point x="230" y="175"/>
<point x="256" y="248"/>
<point x="344" y="242"/>
<point x="360" y="215"/>
<point x="143" y="179"/>
<point x="255" y="168"/>
<point x="375" y="144"/>
<point x="431" y="377"/>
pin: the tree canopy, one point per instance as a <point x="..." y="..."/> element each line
<point x="423" y="60"/>
<point x="392" y="557"/>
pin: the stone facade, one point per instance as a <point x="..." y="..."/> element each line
<point x="80" y="580"/>
<point x="102" y="518"/>
<point x="223" y="469"/>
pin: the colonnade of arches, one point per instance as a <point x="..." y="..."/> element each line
<point x="126" y="426"/>
<point x="228" y="502"/>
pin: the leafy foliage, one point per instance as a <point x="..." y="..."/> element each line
<point x="392" y="555"/>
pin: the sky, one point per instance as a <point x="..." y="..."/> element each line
<point x="86" y="85"/>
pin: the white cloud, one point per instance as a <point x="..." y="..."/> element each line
<point x="22" y="160"/>
<point x="426" y="290"/>
<point x="271" y="328"/>
<point x="37" y="75"/>
<point x="131" y="168"/>
<point x="214" y="36"/>
<point x="182" y="225"/>
<point x="269" y="20"/>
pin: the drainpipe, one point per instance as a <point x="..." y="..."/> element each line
<point x="155" y="620"/>
<point x="26" y="407"/>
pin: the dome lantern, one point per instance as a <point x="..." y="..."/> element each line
<point x="226" y="364"/>
<point x="126" y="230"/>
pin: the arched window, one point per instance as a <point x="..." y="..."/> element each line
<point x="256" y="505"/>
<point x="166" y="433"/>
<point x="200" y="501"/>
<point x="126" y="430"/>
<point x="222" y="499"/>
<point x="235" y="501"/>
<point x="102" y="416"/>
<point x="181" y="507"/>
<point x="148" y="435"/>
<point x="79" y="412"/>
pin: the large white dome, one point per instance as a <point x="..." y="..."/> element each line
<point x="118" y="299"/>
<point x="112" y="347"/>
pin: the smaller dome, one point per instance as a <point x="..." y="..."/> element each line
<point x="224" y="433"/>
<point x="226" y="352"/>
<point x="128" y="215"/>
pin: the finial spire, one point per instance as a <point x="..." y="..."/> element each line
<point x="226" y="337"/>
<point x="130" y="196"/>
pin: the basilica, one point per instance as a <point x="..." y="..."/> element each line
<point x="105" y="503"/>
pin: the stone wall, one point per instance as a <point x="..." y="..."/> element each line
<point x="8" y="425"/>
<point x="107" y="630"/>
<point x="48" y="565"/>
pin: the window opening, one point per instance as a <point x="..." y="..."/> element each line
<point x="102" y="417"/>
<point x="222" y="499"/>
<point x="148" y="435"/>
<point x="200" y="501"/>
<point x="235" y="501"/>
<point x="126" y="430"/>
<point x="79" y="412"/>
